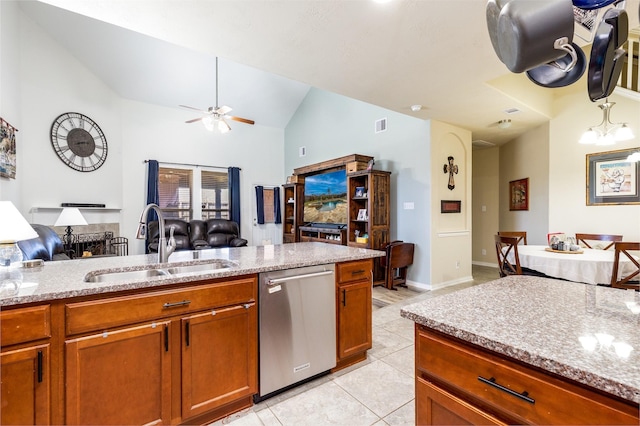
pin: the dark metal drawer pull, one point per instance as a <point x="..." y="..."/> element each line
<point x="173" y="305"/>
<point x="492" y="382"/>
<point x="360" y="271"/>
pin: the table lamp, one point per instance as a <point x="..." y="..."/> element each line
<point x="13" y="228"/>
<point x="70" y="216"/>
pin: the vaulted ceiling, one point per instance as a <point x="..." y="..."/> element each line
<point x="436" y="53"/>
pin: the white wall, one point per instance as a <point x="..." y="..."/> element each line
<point x="486" y="204"/>
<point x="44" y="80"/>
<point x="332" y="126"/>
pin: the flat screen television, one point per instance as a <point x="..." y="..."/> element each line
<point x="325" y="198"/>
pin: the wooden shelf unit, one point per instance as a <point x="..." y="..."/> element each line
<point x="323" y="235"/>
<point x="375" y="188"/>
<point x="293" y="210"/>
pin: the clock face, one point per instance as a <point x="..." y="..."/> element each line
<point x="78" y="141"/>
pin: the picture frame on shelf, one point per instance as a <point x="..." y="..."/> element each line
<point x="519" y="194"/>
<point x="359" y="192"/>
<point x="362" y="214"/>
<point x="612" y="178"/>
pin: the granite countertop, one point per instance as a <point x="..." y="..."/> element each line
<point x="590" y="334"/>
<point x="66" y="278"/>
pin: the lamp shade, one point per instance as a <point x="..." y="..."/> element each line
<point x="70" y="216"/>
<point x="13" y="226"/>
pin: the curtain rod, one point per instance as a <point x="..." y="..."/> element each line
<point x="192" y="165"/>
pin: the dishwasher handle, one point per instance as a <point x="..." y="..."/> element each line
<point x="272" y="281"/>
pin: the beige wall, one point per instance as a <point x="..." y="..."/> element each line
<point x="450" y="232"/>
<point x="526" y="157"/>
<point x="568" y="211"/>
<point x="486" y="203"/>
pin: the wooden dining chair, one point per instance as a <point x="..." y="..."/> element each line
<point x="520" y="235"/>
<point x="583" y="238"/>
<point x="398" y="258"/>
<point x="626" y="282"/>
<point x="505" y="246"/>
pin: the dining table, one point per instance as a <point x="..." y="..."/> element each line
<point x="589" y="266"/>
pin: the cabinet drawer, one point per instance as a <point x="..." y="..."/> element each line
<point x="354" y="271"/>
<point x="102" y="314"/>
<point x="25" y="325"/>
<point x="527" y="395"/>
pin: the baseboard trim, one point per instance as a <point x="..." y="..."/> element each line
<point x="490" y="265"/>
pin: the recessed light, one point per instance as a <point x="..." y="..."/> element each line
<point x="416" y="108"/>
<point x="382" y="1"/>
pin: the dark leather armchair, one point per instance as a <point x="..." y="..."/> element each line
<point x="197" y="234"/>
<point x="47" y="246"/>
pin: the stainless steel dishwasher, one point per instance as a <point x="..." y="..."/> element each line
<point x="297" y="326"/>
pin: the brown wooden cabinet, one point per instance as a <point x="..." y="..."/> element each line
<point x="459" y="383"/>
<point x="323" y="235"/>
<point x="25" y="366"/>
<point x="120" y="377"/>
<point x="162" y="357"/>
<point x="369" y="192"/>
<point x="353" y="310"/>
<point x="293" y="210"/>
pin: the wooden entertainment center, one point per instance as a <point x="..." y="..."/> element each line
<point x="368" y="207"/>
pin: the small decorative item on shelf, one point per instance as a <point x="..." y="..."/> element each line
<point x="290" y="200"/>
<point x="363" y="240"/>
<point x="362" y="214"/>
<point x="359" y="192"/>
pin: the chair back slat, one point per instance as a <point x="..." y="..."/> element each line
<point x="520" y="235"/>
<point x="584" y="238"/>
<point x="504" y="247"/>
<point x="626" y="281"/>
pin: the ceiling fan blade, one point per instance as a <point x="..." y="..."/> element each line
<point x="240" y="119"/>
<point x="195" y="109"/>
<point x="223" y="109"/>
<point x="194" y="120"/>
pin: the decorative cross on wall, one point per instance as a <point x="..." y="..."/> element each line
<point x="451" y="169"/>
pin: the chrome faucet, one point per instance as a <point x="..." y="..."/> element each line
<point x="164" y="249"/>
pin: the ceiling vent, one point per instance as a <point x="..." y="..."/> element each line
<point x="512" y="110"/>
<point x="482" y="144"/>
<point x="381" y="125"/>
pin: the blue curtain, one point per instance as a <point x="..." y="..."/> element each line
<point x="260" y="204"/>
<point x="276" y="205"/>
<point x="234" y="195"/>
<point x="153" y="195"/>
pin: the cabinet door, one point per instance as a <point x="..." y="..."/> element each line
<point x="219" y="358"/>
<point x="120" y="377"/>
<point x="435" y="406"/>
<point x="354" y="318"/>
<point x="25" y="383"/>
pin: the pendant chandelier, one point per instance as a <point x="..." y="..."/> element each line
<point x="606" y="133"/>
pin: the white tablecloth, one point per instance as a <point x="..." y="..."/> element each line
<point x="590" y="267"/>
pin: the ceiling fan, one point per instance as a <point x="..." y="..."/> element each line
<point x="214" y="117"/>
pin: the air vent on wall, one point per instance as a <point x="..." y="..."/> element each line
<point x="482" y="144"/>
<point x="381" y="125"/>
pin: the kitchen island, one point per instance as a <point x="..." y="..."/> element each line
<point x="129" y="341"/>
<point x="528" y="350"/>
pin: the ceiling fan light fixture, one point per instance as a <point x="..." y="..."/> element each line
<point x="504" y="124"/>
<point x="222" y="126"/>
<point x="207" y="121"/>
<point x="624" y="133"/>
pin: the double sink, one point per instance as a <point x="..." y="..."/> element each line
<point x="154" y="271"/>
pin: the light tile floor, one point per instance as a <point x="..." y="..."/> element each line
<point x="378" y="391"/>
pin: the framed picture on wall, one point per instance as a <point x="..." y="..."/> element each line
<point x="519" y="194"/>
<point x="612" y="178"/>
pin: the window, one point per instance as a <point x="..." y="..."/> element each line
<point x="174" y="187"/>
<point x="192" y="192"/>
<point x="215" y="195"/>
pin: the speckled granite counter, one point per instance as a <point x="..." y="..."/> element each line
<point x="589" y="334"/>
<point x="64" y="279"/>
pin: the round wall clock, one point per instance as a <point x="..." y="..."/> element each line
<point x="78" y="141"/>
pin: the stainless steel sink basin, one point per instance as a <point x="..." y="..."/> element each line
<point x="143" y="274"/>
<point x="126" y="276"/>
<point x="201" y="267"/>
